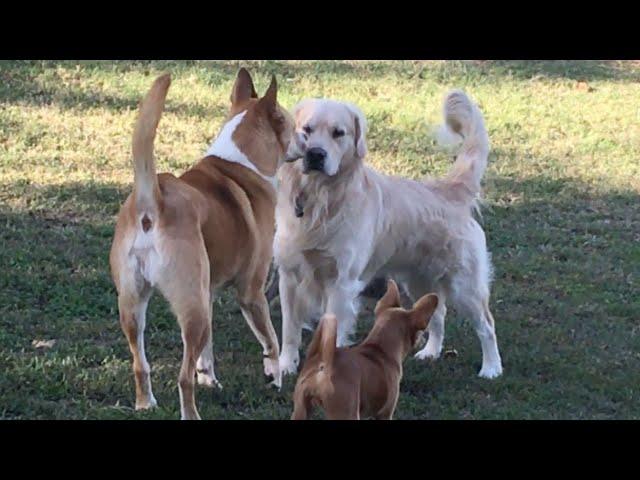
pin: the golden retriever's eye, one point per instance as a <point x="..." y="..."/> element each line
<point x="337" y="133"/>
<point x="307" y="129"/>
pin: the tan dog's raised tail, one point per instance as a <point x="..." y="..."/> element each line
<point x="362" y="381"/>
<point x="213" y="226"/>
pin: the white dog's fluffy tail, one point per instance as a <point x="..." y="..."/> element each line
<point x="464" y="120"/>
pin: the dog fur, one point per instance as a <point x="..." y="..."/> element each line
<point x="362" y="381"/>
<point x="211" y="227"/>
<point x="358" y="224"/>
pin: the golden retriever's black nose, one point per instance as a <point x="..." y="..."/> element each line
<point x="314" y="159"/>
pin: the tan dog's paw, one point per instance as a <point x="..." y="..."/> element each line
<point x="190" y="416"/>
<point x="146" y="403"/>
<point x="272" y="372"/>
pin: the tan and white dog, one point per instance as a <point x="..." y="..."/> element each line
<point x="340" y="223"/>
<point x="211" y="227"/>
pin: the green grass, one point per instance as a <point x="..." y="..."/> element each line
<point x="562" y="219"/>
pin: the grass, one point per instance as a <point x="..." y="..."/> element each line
<point x="562" y="219"/>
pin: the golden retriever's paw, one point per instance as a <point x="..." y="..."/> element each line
<point x="490" y="371"/>
<point x="207" y="379"/>
<point x="428" y="353"/>
<point x="289" y="363"/>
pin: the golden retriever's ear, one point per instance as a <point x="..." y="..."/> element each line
<point x="391" y="299"/>
<point x="423" y="309"/>
<point x="243" y="88"/>
<point x="360" y="128"/>
<point x="297" y="109"/>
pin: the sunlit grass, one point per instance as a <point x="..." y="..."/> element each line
<point x="562" y="218"/>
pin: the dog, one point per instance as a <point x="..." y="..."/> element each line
<point x="188" y="236"/>
<point x="340" y="224"/>
<point x="362" y="381"/>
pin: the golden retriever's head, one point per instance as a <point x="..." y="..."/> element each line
<point x="329" y="136"/>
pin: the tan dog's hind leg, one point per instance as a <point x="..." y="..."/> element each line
<point x="185" y="285"/>
<point x="133" y="308"/>
<point x="255" y="310"/>
<point x="205" y="365"/>
<point x="195" y="330"/>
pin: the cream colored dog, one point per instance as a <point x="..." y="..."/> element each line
<point x="340" y="223"/>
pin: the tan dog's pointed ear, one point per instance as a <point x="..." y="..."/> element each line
<point x="270" y="99"/>
<point x="243" y="88"/>
<point x="360" y="128"/>
<point x="269" y="104"/>
<point x="423" y="309"/>
<point x="391" y="299"/>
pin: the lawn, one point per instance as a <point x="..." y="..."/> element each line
<point x="562" y="217"/>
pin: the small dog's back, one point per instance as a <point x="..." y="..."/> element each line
<point x="347" y="383"/>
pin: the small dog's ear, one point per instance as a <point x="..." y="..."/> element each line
<point x="423" y="309"/>
<point x="391" y="299"/>
<point x="297" y="108"/>
<point x="243" y="88"/>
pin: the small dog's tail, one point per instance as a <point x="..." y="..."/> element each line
<point x="147" y="193"/>
<point x="464" y="119"/>
<point x="324" y="341"/>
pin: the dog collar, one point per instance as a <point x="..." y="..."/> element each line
<point x="298" y="206"/>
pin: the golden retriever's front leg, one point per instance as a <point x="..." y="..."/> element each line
<point x="292" y="319"/>
<point x="341" y="302"/>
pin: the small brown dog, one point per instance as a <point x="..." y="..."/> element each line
<point x="361" y="381"/>
<point x="211" y="227"/>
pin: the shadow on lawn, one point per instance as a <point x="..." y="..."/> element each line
<point x="21" y="82"/>
<point x="564" y="296"/>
